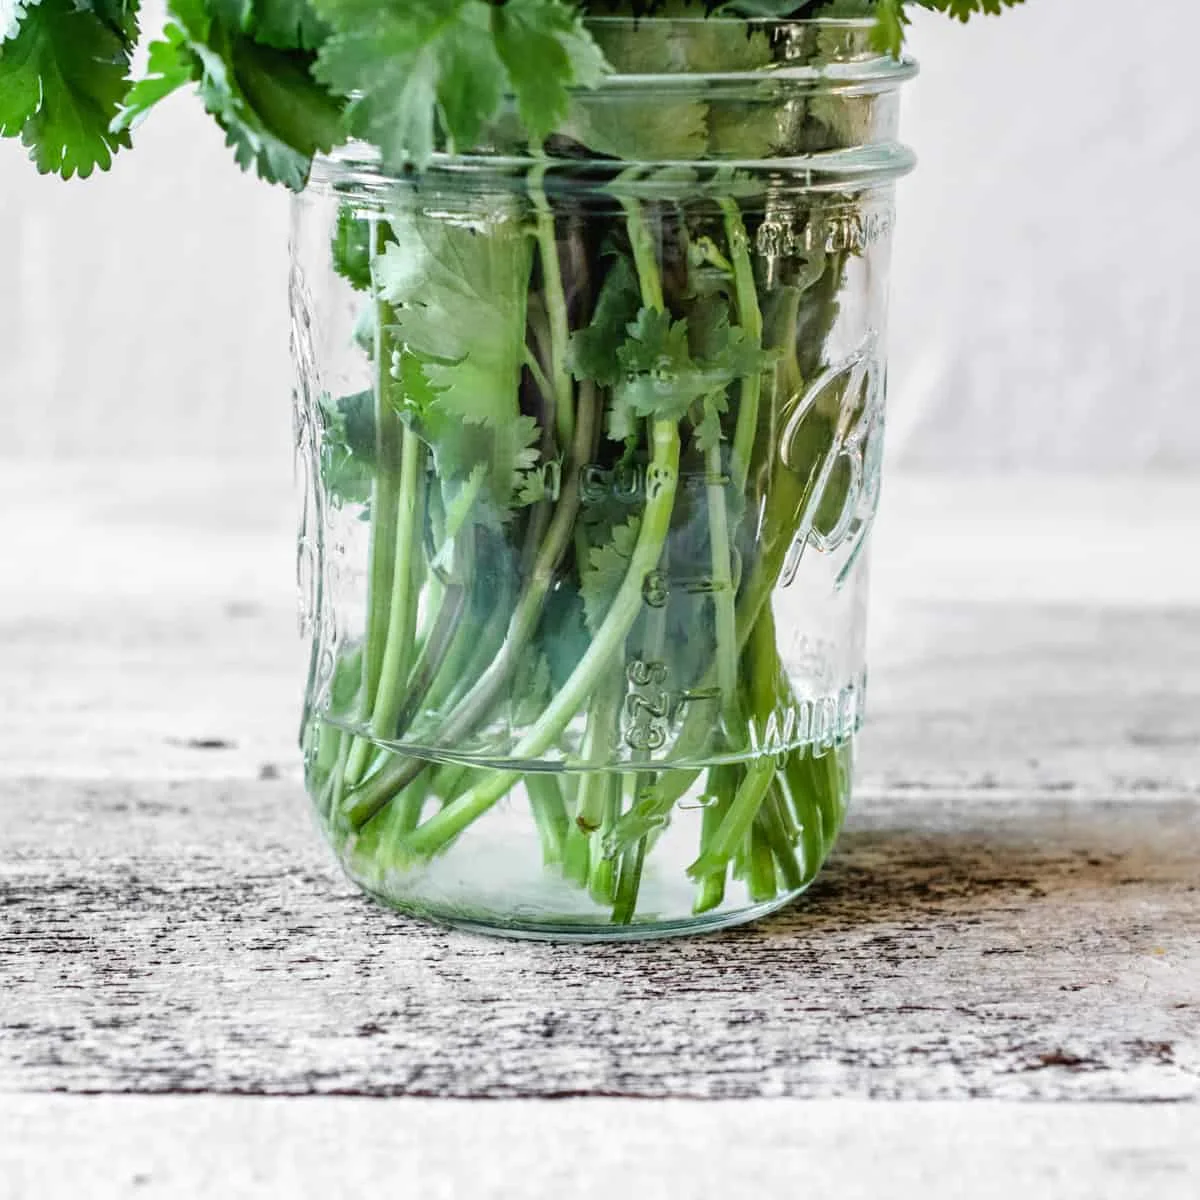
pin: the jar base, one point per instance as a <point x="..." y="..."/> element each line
<point x="569" y="930"/>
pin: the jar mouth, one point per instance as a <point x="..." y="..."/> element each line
<point x="814" y="53"/>
<point x="808" y="104"/>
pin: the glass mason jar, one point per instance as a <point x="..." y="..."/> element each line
<point x="589" y="443"/>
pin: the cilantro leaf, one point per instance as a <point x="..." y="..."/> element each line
<point x="351" y="249"/>
<point x="410" y="66"/>
<point x="288" y="25"/>
<point x="274" y="114"/>
<point x="459" y="294"/>
<point x="62" y="79"/>
<point x="593" y="351"/>
<point x="168" y="69"/>
<point x="965" y="9"/>
<point x="12" y="12"/>
<point x="658" y="366"/>
<point x="348" y="446"/>
<point x="661" y="379"/>
<point x="708" y="431"/>
<point x="530" y="688"/>
<point x="545" y="50"/>
<point x="426" y="73"/>
<point x="607" y="566"/>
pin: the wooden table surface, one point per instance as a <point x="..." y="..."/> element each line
<point x="1012" y="915"/>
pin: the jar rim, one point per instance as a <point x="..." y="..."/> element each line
<point x="863" y="67"/>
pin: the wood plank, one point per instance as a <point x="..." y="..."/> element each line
<point x="220" y="1148"/>
<point x="194" y="937"/>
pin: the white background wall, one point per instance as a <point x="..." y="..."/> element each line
<point x="1046" y="296"/>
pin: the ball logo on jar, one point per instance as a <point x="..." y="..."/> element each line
<point x="843" y="491"/>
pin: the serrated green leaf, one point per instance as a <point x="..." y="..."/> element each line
<point x="593" y="350"/>
<point x="274" y="114"/>
<point x="607" y="566"/>
<point x="350" y="249"/>
<point x="708" y="431"/>
<point x="545" y="50"/>
<point x="530" y="689"/>
<point x="168" y="69"/>
<point x="62" y="79"/>
<point x="288" y="24"/>
<point x="412" y="69"/>
<point x="348" y="446"/>
<point x="459" y="293"/>
<point x="12" y="12"/>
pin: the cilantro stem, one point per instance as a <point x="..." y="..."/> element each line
<point x="602" y="876"/>
<point x="440" y="638"/>
<point x="474" y="707"/>
<point x="549" y="814"/>
<point x="645" y="259"/>
<point x="402" y="608"/>
<point x="556" y="307"/>
<point x="737" y="820"/>
<point x="775" y="827"/>
<point x="760" y="865"/>
<point x="599" y="742"/>
<point x="634" y="856"/>
<point x="722" y="783"/>
<point x="384" y="514"/>
<point x="662" y="483"/>
<point x="629" y="882"/>
<point x="783" y="518"/>
<point x="722" y="579"/>
<point x="750" y="319"/>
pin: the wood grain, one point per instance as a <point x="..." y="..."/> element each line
<point x="1012" y="914"/>
<point x="194" y="938"/>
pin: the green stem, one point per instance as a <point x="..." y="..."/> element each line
<point x="599" y="744"/>
<point x="662" y="482"/>
<point x="750" y="319"/>
<point x="549" y="814"/>
<point x="556" y="307"/>
<point x="645" y="258"/>
<point x="722" y="580"/>
<point x="721" y="789"/>
<point x="737" y="821"/>
<point x="402" y="609"/>
<point x="478" y="702"/>
<point x="774" y="826"/>
<point x="760" y="873"/>
<point x="629" y="883"/>
<point x="807" y="809"/>
<point x="384" y="488"/>
<point x="632" y="857"/>
<point x="602" y="873"/>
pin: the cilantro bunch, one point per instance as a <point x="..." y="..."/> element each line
<point x="286" y="79"/>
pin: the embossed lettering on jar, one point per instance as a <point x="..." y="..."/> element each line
<point x="590" y="443"/>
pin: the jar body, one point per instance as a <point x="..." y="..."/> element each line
<point x="590" y="452"/>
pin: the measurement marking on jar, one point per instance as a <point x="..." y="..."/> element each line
<point x="834" y="233"/>
<point x="647" y="706"/>
<point x="628" y="484"/>
<point x="659" y="584"/>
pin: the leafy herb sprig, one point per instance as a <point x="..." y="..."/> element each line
<point x="286" y="79"/>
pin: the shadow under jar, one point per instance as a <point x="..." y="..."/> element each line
<point x="589" y="445"/>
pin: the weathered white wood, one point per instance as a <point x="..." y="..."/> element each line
<point x="205" y="1148"/>
<point x="1013" y="912"/>
<point x="195" y="938"/>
